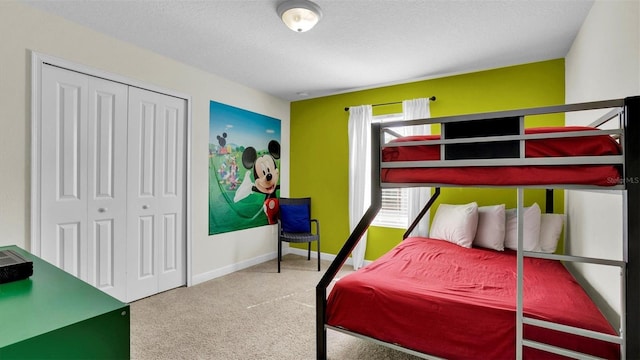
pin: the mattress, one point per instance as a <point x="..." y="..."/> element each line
<point x="599" y="175"/>
<point x="441" y="299"/>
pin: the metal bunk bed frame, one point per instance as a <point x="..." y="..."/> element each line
<point x="629" y="336"/>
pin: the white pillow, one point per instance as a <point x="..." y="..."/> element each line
<point x="531" y="228"/>
<point x="550" y="229"/>
<point x="491" y="227"/>
<point x="455" y="223"/>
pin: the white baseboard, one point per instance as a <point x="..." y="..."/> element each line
<point x="323" y="256"/>
<point x="212" y="274"/>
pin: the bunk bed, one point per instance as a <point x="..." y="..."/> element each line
<point x="422" y="309"/>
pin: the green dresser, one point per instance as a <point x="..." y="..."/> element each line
<point x="54" y="315"/>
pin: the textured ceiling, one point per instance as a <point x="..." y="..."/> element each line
<point x="357" y="44"/>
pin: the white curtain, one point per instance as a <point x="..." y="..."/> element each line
<point x="360" y="118"/>
<point x="418" y="197"/>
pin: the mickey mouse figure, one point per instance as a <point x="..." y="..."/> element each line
<point x="222" y="141"/>
<point x="266" y="175"/>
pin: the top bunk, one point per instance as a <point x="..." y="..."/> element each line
<point x="495" y="149"/>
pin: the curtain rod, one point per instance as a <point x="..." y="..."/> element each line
<point x="432" y="98"/>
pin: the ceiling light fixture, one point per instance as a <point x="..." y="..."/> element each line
<point x="299" y="15"/>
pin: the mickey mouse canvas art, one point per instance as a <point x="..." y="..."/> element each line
<point x="244" y="160"/>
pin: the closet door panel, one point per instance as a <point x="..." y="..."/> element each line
<point x="170" y="242"/>
<point x="146" y="264"/>
<point x="68" y="247"/>
<point x="107" y="187"/>
<point x="171" y="175"/>
<point x="156" y="187"/>
<point x="142" y="278"/>
<point x="63" y="188"/>
<point x="146" y="147"/>
<point x="103" y="256"/>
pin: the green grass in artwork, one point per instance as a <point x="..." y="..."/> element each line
<point x="225" y="214"/>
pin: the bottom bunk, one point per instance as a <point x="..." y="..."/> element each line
<point x="438" y="298"/>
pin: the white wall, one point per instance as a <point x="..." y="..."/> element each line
<point x="25" y="29"/>
<point x="603" y="63"/>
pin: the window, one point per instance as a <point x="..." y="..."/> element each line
<point x="393" y="212"/>
<point x="395" y="201"/>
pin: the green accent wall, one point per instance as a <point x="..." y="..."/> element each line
<point x="319" y="142"/>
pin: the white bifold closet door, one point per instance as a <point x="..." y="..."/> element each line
<point x="155" y="192"/>
<point x="112" y="183"/>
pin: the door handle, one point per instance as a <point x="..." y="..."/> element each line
<point x="145" y="207"/>
<point x="102" y="210"/>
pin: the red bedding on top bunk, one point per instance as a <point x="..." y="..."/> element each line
<point x="600" y="175"/>
<point x="445" y="300"/>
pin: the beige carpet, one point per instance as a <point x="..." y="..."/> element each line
<point x="255" y="313"/>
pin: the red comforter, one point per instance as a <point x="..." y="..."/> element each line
<point x="600" y="175"/>
<point x="445" y="300"/>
